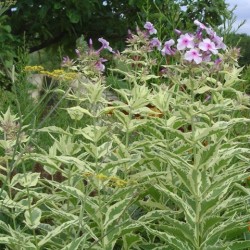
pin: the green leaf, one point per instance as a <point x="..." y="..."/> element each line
<point x="93" y="133"/>
<point x="72" y="191"/>
<point x="90" y="206"/>
<point x="4" y="226"/>
<point x="73" y="15"/>
<point x="57" y="5"/>
<point x="235" y="223"/>
<point x="6" y="239"/>
<point x="33" y="217"/>
<point x="124" y="119"/>
<point x="56" y="231"/>
<point x="115" y="211"/>
<point x="202" y="90"/>
<point x="76" y="113"/>
<point x="169" y="239"/>
<point x="129" y="240"/>
<point x="188" y="210"/>
<point x="100" y="151"/>
<point x="182" y="168"/>
<point x="26" y="180"/>
<point x="75" y="244"/>
<point x="54" y="129"/>
<point x="70" y="160"/>
<point x="209" y="222"/>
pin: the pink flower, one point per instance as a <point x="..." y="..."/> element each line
<point x="200" y="25"/>
<point x="185" y="41"/>
<point x="167" y="50"/>
<point x="150" y="28"/>
<point x="99" y="64"/>
<point x="218" y="61"/>
<point x="210" y="32"/>
<point x="193" y="55"/>
<point x="206" y="57"/>
<point x="66" y="62"/>
<point x="216" y="39"/>
<point x="208" y="45"/>
<point x="130" y="35"/>
<point x="178" y="32"/>
<point x="90" y="44"/>
<point x="219" y="42"/>
<point x="105" y="45"/>
<point x="78" y="53"/>
<point x="155" y="42"/>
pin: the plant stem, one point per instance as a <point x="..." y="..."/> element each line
<point x="197" y="195"/>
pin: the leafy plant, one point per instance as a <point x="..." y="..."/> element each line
<point x="161" y="166"/>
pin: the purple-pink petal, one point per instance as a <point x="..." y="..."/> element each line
<point x="150" y="28"/>
<point x="167" y="50"/>
<point x="185" y="41"/>
<point x="155" y="43"/>
<point x="105" y="44"/>
<point x="208" y="45"/>
<point x="193" y="55"/>
<point x="99" y="64"/>
<point x="200" y="25"/>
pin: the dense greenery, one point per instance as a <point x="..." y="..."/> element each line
<point x="163" y="165"/>
<point x="56" y="25"/>
<point x="147" y="148"/>
<point x="241" y="41"/>
<point x="45" y="23"/>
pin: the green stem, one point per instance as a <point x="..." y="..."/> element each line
<point x="197" y="195"/>
<point x="29" y="204"/>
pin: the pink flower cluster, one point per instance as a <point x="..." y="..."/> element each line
<point x="194" y="47"/>
<point x="95" y="54"/>
<point x="198" y="47"/>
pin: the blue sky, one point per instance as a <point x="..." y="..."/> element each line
<point x="242" y="12"/>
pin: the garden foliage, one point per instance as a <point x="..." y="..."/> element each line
<point x="161" y="166"/>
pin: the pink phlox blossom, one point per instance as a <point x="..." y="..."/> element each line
<point x="198" y="34"/>
<point x="78" y="53"/>
<point x="105" y="45"/>
<point x="208" y="97"/>
<point x="210" y="32"/>
<point x="200" y="25"/>
<point x="216" y="39"/>
<point x="167" y="50"/>
<point x="218" y="61"/>
<point x="178" y="32"/>
<point x="208" y="45"/>
<point x="99" y="64"/>
<point x="66" y="62"/>
<point x="130" y="35"/>
<point x="185" y="41"/>
<point x="219" y="42"/>
<point x="90" y="44"/>
<point x="137" y="28"/>
<point x="206" y="57"/>
<point x="150" y="28"/>
<point x="155" y="43"/>
<point x="193" y="55"/>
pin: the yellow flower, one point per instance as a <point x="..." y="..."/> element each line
<point x="33" y="68"/>
<point x="117" y="182"/>
<point x="101" y="177"/>
<point x="120" y="183"/>
<point x="87" y="174"/>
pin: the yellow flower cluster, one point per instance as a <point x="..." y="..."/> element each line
<point x="57" y="74"/>
<point x="6" y="3"/>
<point x="33" y="68"/>
<point x="114" y="181"/>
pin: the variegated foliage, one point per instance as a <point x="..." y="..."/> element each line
<point x="160" y="168"/>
